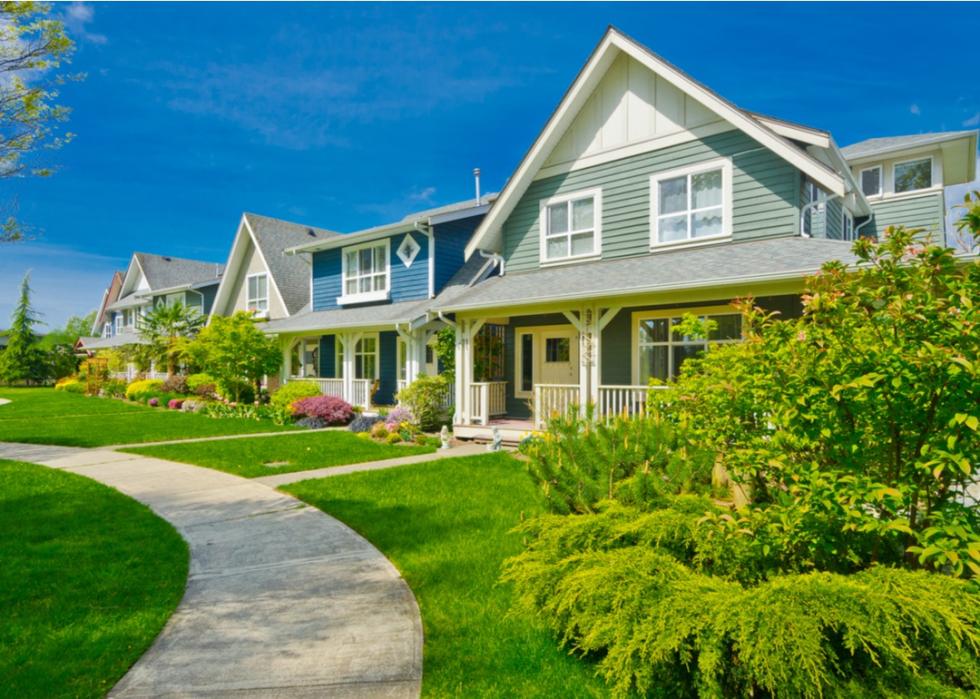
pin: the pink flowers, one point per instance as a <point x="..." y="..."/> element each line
<point x="153" y="402"/>
<point x="330" y="409"/>
<point x="175" y="403"/>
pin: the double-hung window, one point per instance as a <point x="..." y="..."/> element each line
<point x="871" y="181"/>
<point x="913" y="175"/>
<point x="660" y="351"/>
<point x="365" y="358"/>
<point x="571" y="226"/>
<point x="365" y="272"/>
<point x="257" y="297"/>
<point x="691" y="204"/>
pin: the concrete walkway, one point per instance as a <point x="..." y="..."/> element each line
<point x="281" y="600"/>
<point x="278" y="479"/>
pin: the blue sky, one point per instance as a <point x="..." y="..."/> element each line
<point x="350" y="115"/>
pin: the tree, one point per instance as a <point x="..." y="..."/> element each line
<point x="168" y="329"/>
<point x="75" y="327"/>
<point x="23" y="360"/>
<point x="33" y="45"/>
<point x="236" y="353"/>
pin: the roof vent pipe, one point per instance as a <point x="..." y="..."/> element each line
<point x="476" y="176"/>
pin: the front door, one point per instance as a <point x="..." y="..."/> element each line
<point x="557" y="352"/>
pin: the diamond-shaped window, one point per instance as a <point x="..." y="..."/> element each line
<point x="408" y="250"/>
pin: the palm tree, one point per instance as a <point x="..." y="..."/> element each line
<point x="168" y="329"/>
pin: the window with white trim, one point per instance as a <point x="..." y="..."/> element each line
<point x="661" y="351"/>
<point x="871" y="181"/>
<point x="365" y="272"/>
<point x="913" y="175"/>
<point x="365" y="358"/>
<point x="691" y="204"/>
<point x="257" y="294"/>
<point x="847" y="225"/>
<point x="570" y="226"/>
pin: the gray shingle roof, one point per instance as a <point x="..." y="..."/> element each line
<point x="707" y="266"/>
<point x="164" y="272"/>
<point x="109" y="342"/>
<point x="290" y="272"/>
<point x="888" y="144"/>
<point x="357" y="317"/>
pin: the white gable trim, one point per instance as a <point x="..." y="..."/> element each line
<point x="488" y="233"/>
<point x="235" y="260"/>
<point x="127" y="284"/>
<point x="265" y="263"/>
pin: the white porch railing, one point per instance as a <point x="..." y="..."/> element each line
<point x="487" y="399"/>
<point x="623" y="400"/>
<point x="360" y="394"/>
<point x="328" y="387"/>
<point x="553" y="398"/>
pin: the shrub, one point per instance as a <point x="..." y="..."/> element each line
<point x="175" y="403"/>
<point x="425" y="398"/>
<point x="192" y="406"/>
<point x="393" y="438"/>
<point x="142" y="388"/>
<point x="396" y="416"/>
<point x="330" y="409"/>
<point x="313" y="423"/>
<point x="379" y="431"/>
<point x="289" y="393"/>
<point x="364" y="423"/>
<point x="203" y="385"/>
<point x="176" y="384"/>
<point x="153" y="402"/>
<point x="116" y="388"/>
<point x="70" y="385"/>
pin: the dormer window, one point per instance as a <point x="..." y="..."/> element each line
<point x="366" y="272"/>
<point x="570" y="226"/>
<point x="257" y="294"/>
<point x="913" y="175"/>
<point x="871" y="181"/>
<point x="691" y="204"/>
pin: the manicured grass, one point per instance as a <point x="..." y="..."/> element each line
<point x="446" y="526"/>
<point x="46" y="416"/>
<point x="300" y="452"/>
<point x="88" y="578"/>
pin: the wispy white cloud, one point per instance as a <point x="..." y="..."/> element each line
<point x="78" y="16"/>
<point x="914" y="109"/>
<point x="972" y="121"/>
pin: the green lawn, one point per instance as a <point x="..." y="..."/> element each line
<point x="446" y="525"/>
<point x="300" y="452"/>
<point x="46" y="416"/>
<point x="88" y="578"/>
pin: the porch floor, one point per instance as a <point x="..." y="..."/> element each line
<point x="512" y="430"/>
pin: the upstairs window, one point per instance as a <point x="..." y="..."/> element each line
<point x="365" y="271"/>
<point x="691" y="204"/>
<point x="570" y="226"/>
<point x="871" y="181"/>
<point x="257" y="297"/>
<point x="913" y="175"/>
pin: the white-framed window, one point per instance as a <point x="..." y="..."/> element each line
<point x="571" y="226"/>
<point x="257" y="292"/>
<point x="691" y="204"/>
<point x="366" y="272"/>
<point x="304" y="357"/>
<point x="660" y="352"/>
<point x="118" y="320"/>
<point x="107" y="330"/>
<point x="847" y="225"/>
<point x="912" y="175"/>
<point x="871" y="183"/>
<point x="365" y="358"/>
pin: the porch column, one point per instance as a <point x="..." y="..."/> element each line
<point x="582" y="322"/>
<point x="286" y="344"/>
<point x="602" y="319"/>
<point x="462" y="409"/>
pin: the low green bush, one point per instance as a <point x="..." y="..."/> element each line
<point x="289" y="393"/>
<point x="141" y="389"/>
<point x="71" y="385"/>
<point x="115" y="388"/>
<point x="426" y="399"/>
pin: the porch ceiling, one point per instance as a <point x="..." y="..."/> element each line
<point x="692" y="268"/>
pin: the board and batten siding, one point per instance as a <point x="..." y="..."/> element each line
<point x="926" y="211"/>
<point x="765" y="191"/>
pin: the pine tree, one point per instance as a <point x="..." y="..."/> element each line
<point x="23" y="360"/>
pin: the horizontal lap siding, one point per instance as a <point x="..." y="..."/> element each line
<point x="765" y="196"/>
<point x="916" y="212"/>
<point x="451" y="240"/>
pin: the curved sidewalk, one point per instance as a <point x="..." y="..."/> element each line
<point x="281" y="600"/>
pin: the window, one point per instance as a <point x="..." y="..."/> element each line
<point x="811" y="194"/>
<point x="119" y="322"/>
<point x="365" y="271"/>
<point x="557" y="349"/>
<point x="570" y="226"/>
<point x="691" y="204"/>
<point x="430" y="354"/>
<point x="365" y="358"/>
<point x="304" y="358"/>
<point x="661" y="352"/>
<point x="913" y="175"/>
<point x="871" y="181"/>
<point x="527" y="363"/>
<point x="408" y="250"/>
<point x="257" y="297"/>
<point x="847" y="225"/>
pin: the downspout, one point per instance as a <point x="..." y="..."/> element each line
<point x="497" y="259"/>
<point x="426" y="230"/>
<point x="814" y="203"/>
<point x="857" y="231"/>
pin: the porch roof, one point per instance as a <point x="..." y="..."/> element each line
<point x="94" y="343"/>
<point x="691" y="268"/>
<point x="358" y="317"/>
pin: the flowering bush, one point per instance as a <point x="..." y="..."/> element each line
<point x="176" y="384"/>
<point x="70" y="385"/>
<point x="153" y="402"/>
<point x="396" y="416"/>
<point x="330" y="409"/>
<point x="143" y="388"/>
<point x="175" y="403"/>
